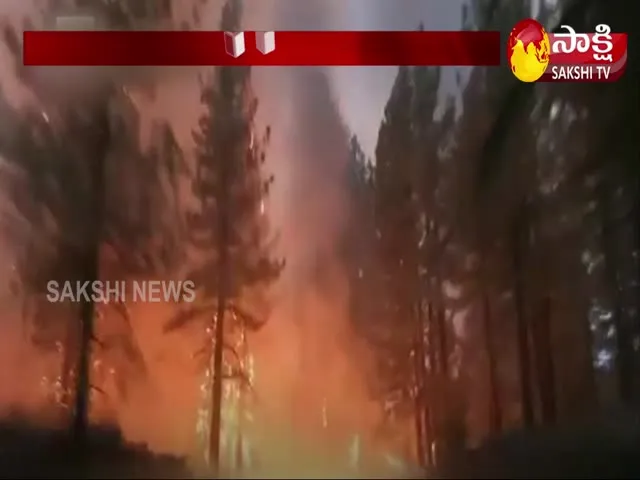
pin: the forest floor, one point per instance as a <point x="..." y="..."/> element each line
<point x="607" y="447"/>
<point x="28" y="451"/>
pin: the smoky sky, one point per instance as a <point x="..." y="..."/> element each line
<point x="361" y="92"/>
<point x="312" y="112"/>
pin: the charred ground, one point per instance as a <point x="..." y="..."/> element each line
<point x="30" y="451"/>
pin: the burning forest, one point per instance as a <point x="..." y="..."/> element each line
<point x="413" y="272"/>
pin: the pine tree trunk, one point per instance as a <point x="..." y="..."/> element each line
<point x="637" y="247"/>
<point x="239" y="450"/>
<point x="83" y="377"/>
<point x="545" y="366"/>
<point x="223" y="279"/>
<point x="431" y="402"/>
<point x="420" y="400"/>
<point x="239" y="455"/>
<point x="443" y="345"/>
<point x="243" y="391"/>
<point x="435" y="394"/>
<point x="69" y="355"/>
<point x="90" y="268"/>
<point x="428" y="429"/>
<point x="519" y="234"/>
<point x="624" y="333"/>
<point x="216" y="395"/>
<point x="444" y="414"/>
<point x="495" y="408"/>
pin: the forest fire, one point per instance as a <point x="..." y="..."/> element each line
<point x="361" y="308"/>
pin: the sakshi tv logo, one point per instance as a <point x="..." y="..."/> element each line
<point x="535" y="55"/>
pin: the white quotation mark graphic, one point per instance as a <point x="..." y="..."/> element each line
<point x="266" y="42"/>
<point x="234" y="43"/>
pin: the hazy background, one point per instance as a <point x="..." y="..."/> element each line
<point x="361" y="92"/>
<point x="306" y="356"/>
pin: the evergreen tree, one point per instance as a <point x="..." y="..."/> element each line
<point x="360" y="242"/>
<point x="230" y="229"/>
<point x="396" y="218"/>
<point x="70" y="156"/>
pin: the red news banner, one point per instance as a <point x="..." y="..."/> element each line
<point x="340" y="48"/>
<point x="594" y="57"/>
<point x="586" y="57"/>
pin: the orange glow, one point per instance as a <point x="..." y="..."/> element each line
<point x="311" y="400"/>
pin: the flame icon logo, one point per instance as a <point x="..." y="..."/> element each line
<point x="528" y="50"/>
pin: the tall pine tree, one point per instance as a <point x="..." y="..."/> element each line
<point x="397" y="227"/>
<point x="67" y="156"/>
<point x="230" y="229"/>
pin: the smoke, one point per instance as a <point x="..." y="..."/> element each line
<point x="311" y="371"/>
<point x="16" y="384"/>
<point x="310" y="368"/>
<point x="309" y="336"/>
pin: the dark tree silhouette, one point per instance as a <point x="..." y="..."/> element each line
<point x="69" y="159"/>
<point x="229" y="229"/>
